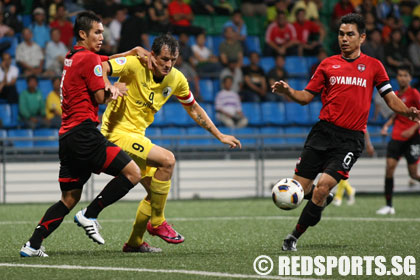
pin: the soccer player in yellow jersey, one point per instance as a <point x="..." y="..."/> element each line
<point x="125" y="121"/>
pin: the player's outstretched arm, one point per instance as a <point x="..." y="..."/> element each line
<point x="200" y="116"/>
<point x="144" y="56"/>
<point x="399" y="107"/>
<point x="302" y="97"/>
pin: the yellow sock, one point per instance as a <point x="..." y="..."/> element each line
<point x="340" y="190"/>
<point x="144" y="211"/>
<point x="159" y="194"/>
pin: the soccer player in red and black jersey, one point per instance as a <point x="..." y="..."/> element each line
<point x="345" y="83"/>
<point x="82" y="147"/>
<point x="405" y="139"/>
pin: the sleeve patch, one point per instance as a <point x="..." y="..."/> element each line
<point x="121" y="60"/>
<point x="98" y="70"/>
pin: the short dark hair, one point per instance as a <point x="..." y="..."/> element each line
<point x="354" y="19"/>
<point x="406" y="67"/>
<point x="84" y="22"/>
<point x="165" y="40"/>
<point x="31" y="77"/>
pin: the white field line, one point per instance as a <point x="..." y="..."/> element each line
<point x="171" y="271"/>
<point x="230" y="218"/>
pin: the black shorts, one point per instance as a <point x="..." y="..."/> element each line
<point x="410" y="149"/>
<point x="84" y="150"/>
<point x="329" y="149"/>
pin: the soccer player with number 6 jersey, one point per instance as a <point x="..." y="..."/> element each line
<point x="345" y="83"/>
<point x="125" y="121"/>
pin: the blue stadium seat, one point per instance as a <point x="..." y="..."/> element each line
<point x="20" y="85"/>
<point x="173" y="131"/>
<point x="267" y="63"/>
<point x="273" y="113"/>
<point x="206" y="90"/>
<point x="21" y="133"/>
<point x="245" y="61"/>
<point x="297" y="83"/>
<point x="46" y="132"/>
<point x="13" y="45"/>
<point x="26" y="20"/>
<point x="176" y="115"/>
<point x="311" y="60"/>
<point x="15" y="114"/>
<point x="253" y="44"/>
<point x="6" y="115"/>
<point x="394" y="84"/>
<point x="3" y="134"/>
<point x="45" y="86"/>
<point x="247" y="131"/>
<point x="160" y="117"/>
<point x="154" y="132"/>
<point x="297" y="114"/>
<point x="198" y="131"/>
<point x="209" y="108"/>
<point x="151" y="39"/>
<point x="314" y="109"/>
<point x="375" y="137"/>
<point x="216" y="86"/>
<point x="296" y="66"/>
<point x="216" y="43"/>
<point x="253" y="112"/>
<point x="295" y="139"/>
<point x="273" y="140"/>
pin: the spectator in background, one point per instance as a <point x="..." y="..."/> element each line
<point x="5" y="30"/>
<point x="181" y="17"/>
<point x="279" y="6"/>
<point x="206" y="63"/>
<point x="253" y="8"/>
<point x="191" y="76"/>
<point x="185" y="49"/>
<point x="158" y="17"/>
<point x="255" y="84"/>
<point x="55" y="53"/>
<point x="228" y="106"/>
<point x="230" y="49"/>
<point x="65" y="26"/>
<point x="386" y="9"/>
<point x="280" y="37"/>
<point x="239" y="27"/>
<point x="371" y="23"/>
<point x="134" y="30"/>
<point x="367" y="6"/>
<point x="416" y="11"/>
<point x="109" y="46"/>
<point x="414" y="53"/>
<point x="396" y="53"/>
<point x="39" y="28"/>
<point x="342" y="8"/>
<point x="8" y="76"/>
<point x="29" y="55"/>
<point x="116" y="24"/>
<point x="53" y="105"/>
<point x="234" y="70"/>
<point x="374" y="46"/>
<point x="278" y="72"/>
<point x="308" y="33"/>
<point x="210" y="7"/>
<point x="11" y="19"/>
<point x="413" y="28"/>
<point x="32" y="105"/>
<point x="310" y="7"/>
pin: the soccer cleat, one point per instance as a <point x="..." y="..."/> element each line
<point x="386" y="210"/>
<point x="352" y="197"/>
<point x="166" y="232"/>
<point x="28" y="251"/>
<point x="337" y="202"/>
<point x="143" y="248"/>
<point x="289" y="244"/>
<point x="90" y="225"/>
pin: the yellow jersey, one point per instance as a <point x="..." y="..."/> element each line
<point x="134" y="112"/>
<point x="53" y="102"/>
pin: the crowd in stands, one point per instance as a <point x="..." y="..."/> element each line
<point x="226" y="40"/>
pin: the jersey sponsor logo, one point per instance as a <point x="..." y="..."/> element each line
<point x="121" y="60"/>
<point x="343" y="80"/>
<point x="98" y="70"/>
<point x="68" y="62"/>
<point x="166" y="91"/>
<point x="336" y="66"/>
<point x="361" y="67"/>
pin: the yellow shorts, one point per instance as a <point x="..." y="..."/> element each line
<point x="137" y="146"/>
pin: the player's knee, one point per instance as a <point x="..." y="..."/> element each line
<point x="132" y="172"/>
<point x="168" y="162"/>
<point x="320" y="193"/>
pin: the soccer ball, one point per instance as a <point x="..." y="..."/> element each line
<point x="287" y="194"/>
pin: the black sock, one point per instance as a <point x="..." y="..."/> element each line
<point x="389" y="189"/>
<point x="310" y="216"/>
<point x="51" y="220"/>
<point x="113" y="191"/>
<point x="308" y="196"/>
